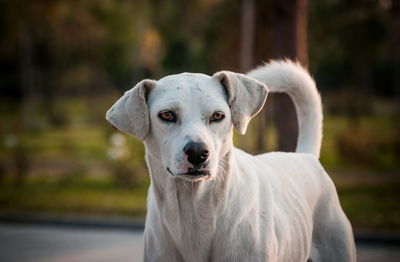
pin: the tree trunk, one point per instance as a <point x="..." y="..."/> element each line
<point x="290" y="37"/>
<point x="27" y="77"/>
<point x="247" y="35"/>
<point x="20" y="152"/>
<point x="248" y="20"/>
<point x="395" y="16"/>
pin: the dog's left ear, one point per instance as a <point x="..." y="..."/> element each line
<point x="246" y="97"/>
<point x="130" y="114"/>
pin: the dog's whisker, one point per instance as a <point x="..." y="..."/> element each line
<point x="169" y="171"/>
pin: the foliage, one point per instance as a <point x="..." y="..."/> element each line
<point x="80" y="46"/>
<point x="351" y="45"/>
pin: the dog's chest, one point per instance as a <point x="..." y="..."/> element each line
<point x="191" y="224"/>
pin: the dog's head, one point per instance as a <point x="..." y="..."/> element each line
<point x="186" y="120"/>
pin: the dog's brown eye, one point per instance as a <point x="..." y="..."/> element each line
<point x="217" y="116"/>
<point x="167" y="116"/>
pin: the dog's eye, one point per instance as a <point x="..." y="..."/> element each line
<point x="167" y="116"/>
<point x="217" y="116"/>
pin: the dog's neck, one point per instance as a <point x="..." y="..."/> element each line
<point x="189" y="210"/>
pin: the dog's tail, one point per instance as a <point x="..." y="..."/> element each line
<point x="291" y="78"/>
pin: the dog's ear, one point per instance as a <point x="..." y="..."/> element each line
<point x="246" y="97"/>
<point x="130" y="113"/>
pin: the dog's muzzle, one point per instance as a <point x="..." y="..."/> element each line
<point x="197" y="156"/>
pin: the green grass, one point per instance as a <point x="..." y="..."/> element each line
<point x="371" y="144"/>
<point x="86" y="141"/>
<point x="85" y="196"/>
<point x="372" y="206"/>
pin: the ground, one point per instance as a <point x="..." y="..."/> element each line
<point x="24" y="243"/>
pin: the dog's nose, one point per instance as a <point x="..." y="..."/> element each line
<point x="196" y="153"/>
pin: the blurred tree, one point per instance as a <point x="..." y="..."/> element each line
<point x="395" y="17"/>
<point x="28" y="92"/>
<point x="247" y="35"/>
<point x="56" y="48"/>
<point x="190" y="33"/>
<point x="290" y="38"/>
<point x="223" y="36"/>
<point x="52" y="49"/>
<point x="283" y="26"/>
<point x="68" y="47"/>
<point x="349" y="43"/>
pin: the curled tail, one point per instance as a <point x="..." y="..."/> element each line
<point x="291" y="78"/>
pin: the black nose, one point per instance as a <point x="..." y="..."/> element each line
<point x="196" y="153"/>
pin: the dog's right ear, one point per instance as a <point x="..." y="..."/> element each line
<point x="130" y="113"/>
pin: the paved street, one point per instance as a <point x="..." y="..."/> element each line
<point x="20" y="243"/>
<point x="52" y="244"/>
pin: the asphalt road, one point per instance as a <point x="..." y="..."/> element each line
<point x="23" y="243"/>
<point x="20" y="243"/>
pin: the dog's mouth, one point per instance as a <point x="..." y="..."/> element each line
<point x="197" y="173"/>
<point x="192" y="175"/>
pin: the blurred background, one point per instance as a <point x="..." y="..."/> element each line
<point x="63" y="63"/>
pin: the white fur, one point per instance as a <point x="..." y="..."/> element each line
<point x="290" y="78"/>
<point x="270" y="207"/>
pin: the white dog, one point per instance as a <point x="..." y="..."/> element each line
<point x="209" y="201"/>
